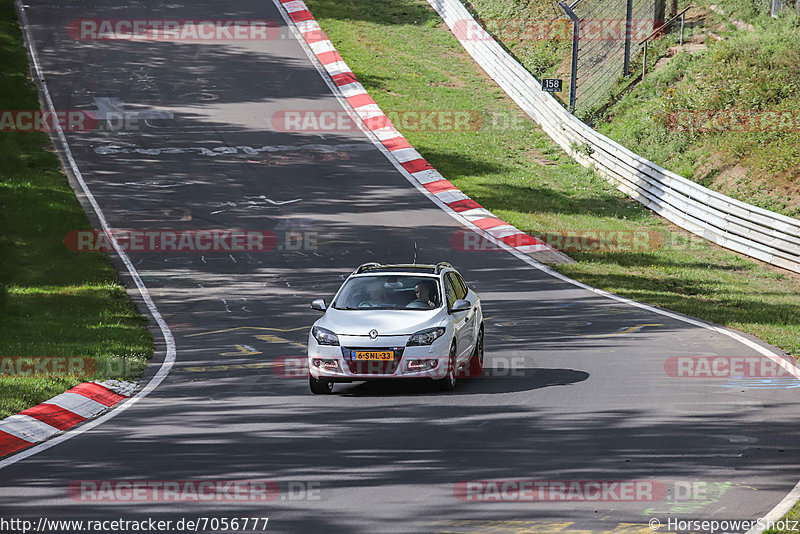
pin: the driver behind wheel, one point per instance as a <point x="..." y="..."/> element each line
<point x="426" y="295"/>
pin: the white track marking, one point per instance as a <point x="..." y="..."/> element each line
<point x="169" y="340"/>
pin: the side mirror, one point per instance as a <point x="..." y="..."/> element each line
<point x="319" y="305"/>
<point x="460" y="305"/>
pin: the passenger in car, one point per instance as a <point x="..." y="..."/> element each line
<point x="376" y="297"/>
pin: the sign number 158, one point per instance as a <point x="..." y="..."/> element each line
<point x="552" y="85"/>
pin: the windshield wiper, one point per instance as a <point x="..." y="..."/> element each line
<point x="371" y="308"/>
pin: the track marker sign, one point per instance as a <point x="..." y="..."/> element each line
<point x="552" y="85"/>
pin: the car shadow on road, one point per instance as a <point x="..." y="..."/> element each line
<point x="510" y="381"/>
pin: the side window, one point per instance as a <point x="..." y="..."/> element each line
<point x="450" y="292"/>
<point x="457" y="286"/>
<point x="463" y="284"/>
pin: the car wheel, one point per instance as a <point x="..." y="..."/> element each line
<point x="448" y="383"/>
<point x="475" y="368"/>
<point x="320" y="387"/>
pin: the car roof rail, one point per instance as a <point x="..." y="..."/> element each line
<point x="442" y="265"/>
<point x="364" y="266"/>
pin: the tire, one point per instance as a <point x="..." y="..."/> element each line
<point x="448" y="383"/>
<point x="320" y="387"/>
<point x="475" y="368"/>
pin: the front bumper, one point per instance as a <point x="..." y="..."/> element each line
<point x="347" y="370"/>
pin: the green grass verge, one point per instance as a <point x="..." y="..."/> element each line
<point x="408" y="60"/>
<point x="792" y="515"/>
<point x="53" y="302"/>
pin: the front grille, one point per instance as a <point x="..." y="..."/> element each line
<point x="385" y="367"/>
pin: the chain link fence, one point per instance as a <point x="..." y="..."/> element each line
<point x="603" y="50"/>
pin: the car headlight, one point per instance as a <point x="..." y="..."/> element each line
<point x="425" y="337"/>
<point x="324" y="336"/>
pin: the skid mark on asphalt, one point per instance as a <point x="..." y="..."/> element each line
<point x="127" y="148"/>
<point x="230" y="367"/>
<point x="622" y="332"/>
<point x="260" y="202"/>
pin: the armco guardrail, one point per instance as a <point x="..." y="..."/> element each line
<point x="756" y="232"/>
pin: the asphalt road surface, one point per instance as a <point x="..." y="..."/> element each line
<point x="575" y="388"/>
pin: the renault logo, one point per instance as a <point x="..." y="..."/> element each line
<point x="373" y="334"/>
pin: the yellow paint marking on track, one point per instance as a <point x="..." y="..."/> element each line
<point x="275" y="339"/>
<point x="625" y="331"/>
<point x="241" y="351"/>
<point x="248" y="328"/>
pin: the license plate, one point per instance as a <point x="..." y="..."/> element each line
<point x="373" y="355"/>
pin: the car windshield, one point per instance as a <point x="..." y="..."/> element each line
<point x="389" y="292"/>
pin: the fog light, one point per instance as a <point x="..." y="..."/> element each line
<point x="422" y="365"/>
<point x="327" y="365"/>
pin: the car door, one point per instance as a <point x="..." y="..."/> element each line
<point x="461" y="320"/>
<point x="457" y="319"/>
<point x="472" y="315"/>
